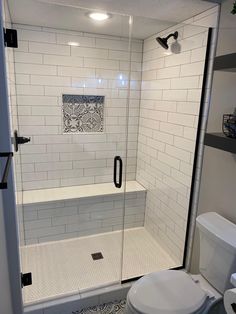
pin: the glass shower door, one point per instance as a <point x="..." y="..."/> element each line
<point x="72" y="101"/>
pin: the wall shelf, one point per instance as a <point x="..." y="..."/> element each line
<point x="225" y="63"/>
<point x="220" y="141"/>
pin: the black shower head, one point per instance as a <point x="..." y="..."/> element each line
<point x="164" y="41"/>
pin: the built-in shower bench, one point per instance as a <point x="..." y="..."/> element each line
<point x="66" y="212"/>
<point x="76" y="192"/>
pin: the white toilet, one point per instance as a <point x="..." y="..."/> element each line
<point x="177" y="292"/>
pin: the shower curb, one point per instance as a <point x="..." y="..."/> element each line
<point x="76" y="303"/>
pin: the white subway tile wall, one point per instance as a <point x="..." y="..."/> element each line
<point x="47" y="67"/>
<point x="169" y="109"/>
<point x="59" y="220"/>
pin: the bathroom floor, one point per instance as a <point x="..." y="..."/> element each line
<point x="117" y="307"/>
<point x="66" y="267"/>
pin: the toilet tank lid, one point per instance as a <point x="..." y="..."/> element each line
<point x="222" y="229"/>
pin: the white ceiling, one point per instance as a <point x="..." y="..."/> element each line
<point x="150" y="16"/>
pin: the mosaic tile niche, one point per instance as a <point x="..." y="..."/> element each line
<point x="83" y="113"/>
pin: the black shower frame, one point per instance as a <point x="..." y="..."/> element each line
<point x="194" y="173"/>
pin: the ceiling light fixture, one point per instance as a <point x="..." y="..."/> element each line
<point x="99" y="16"/>
<point x="73" y="43"/>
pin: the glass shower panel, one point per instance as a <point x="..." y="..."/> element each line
<point x="11" y="82"/>
<point x="156" y="221"/>
<point x="72" y="98"/>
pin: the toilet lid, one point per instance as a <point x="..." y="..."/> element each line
<point x="167" y="292"/>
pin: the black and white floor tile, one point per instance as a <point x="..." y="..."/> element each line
<point x="116" y="307"/>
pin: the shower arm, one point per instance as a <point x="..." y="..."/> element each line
<point x="172" y="35"/>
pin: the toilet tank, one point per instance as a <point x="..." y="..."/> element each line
<point x="217" y="250"/>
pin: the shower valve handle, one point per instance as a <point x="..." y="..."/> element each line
<point x="23" y="140"/>
<point x="18" y="140"/>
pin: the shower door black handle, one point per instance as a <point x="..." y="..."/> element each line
<point x="117" y="160"/>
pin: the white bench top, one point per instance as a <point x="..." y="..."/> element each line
<point x="74" y="192"/>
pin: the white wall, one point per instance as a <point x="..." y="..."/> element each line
<point x="5" y="296"/>
<point x="170" y="103"/>
<point x="46" y="67"/>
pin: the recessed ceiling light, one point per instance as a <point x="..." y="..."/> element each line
<point x="99" y="16"/>
<point x="73" y="43"/>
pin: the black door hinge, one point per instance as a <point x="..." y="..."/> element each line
<point x="26" y="279"/>
<point x="10" y="37"/>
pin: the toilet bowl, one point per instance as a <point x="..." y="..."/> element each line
<point x="171" y="292"/>
<point x="179" y="292"/>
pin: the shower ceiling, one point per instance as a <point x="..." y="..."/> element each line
<point x="152" y="15"/>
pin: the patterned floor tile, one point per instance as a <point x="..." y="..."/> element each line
<point x="116" y="307"/>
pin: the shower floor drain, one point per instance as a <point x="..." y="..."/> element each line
<point x="96" y="256"/>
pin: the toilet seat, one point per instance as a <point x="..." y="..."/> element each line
<point x="167" y="292"/>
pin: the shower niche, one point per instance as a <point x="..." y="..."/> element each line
<point x="82" y="113"/>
